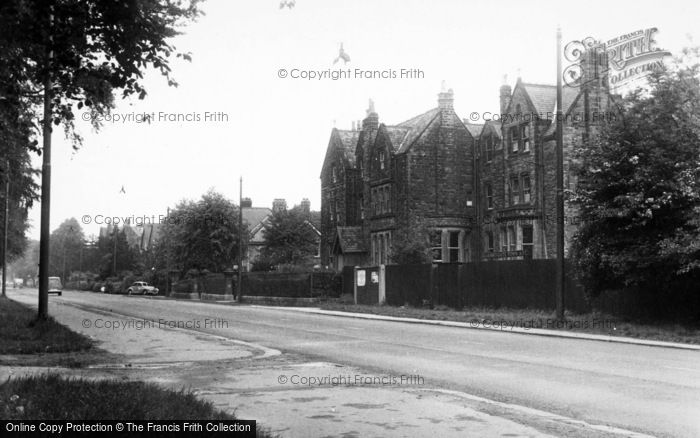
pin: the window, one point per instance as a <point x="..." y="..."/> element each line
<point x="528" y="241"/>
<point x="489" y="241"/>
<point x="488" y="149"/>
<point x="375" y="250"/>
<point x="489" y="196"/>
<point x="336" y="207"/>
<point x="382" y="160"/>
<point x="504" y="239"/>
<point x="381" y="246"/>
<point x="334" y="174"/>
<point x="375" y="202"/>
<point x="512" y="239"/>
<point x="514" y="191"/>
<point x="497" y="143"/>
<point x="514" y="139"/>
<point x="387" y="195"/>
<point x="453" y="247"/>
<point x="360" y="167"/>
<point x="436" y="245"/>
<point x="470" y="201"/>
<point x="524" y="134"/>
<point x="526" y="189"/>
<point x="362" y="207"/>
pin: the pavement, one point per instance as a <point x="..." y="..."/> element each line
<point x="457" y="382"/>
<point x="477" y="325"/>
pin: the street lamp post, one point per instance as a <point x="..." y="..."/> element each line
<point x="560" y="271"/>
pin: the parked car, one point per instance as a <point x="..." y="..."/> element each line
<point x="141" y="287"/>
<point x="55" y="285"/>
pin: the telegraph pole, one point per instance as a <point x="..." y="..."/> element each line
<point x="560" y="271"/>
<point x="239" y="286"/>
<point x="6" y="227"/>
<point x="114" y="257"/>
<point x="46" y="186"/>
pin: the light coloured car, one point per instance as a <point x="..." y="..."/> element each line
<point x="141" y="287"/>
<point x="55" y="285"/>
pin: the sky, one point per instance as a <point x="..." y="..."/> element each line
<point x="239" y="118"/>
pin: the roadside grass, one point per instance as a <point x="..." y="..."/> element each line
<point x="22" y="333"/>
<point x="505" y="318"/>
<point x="52" y="397"/>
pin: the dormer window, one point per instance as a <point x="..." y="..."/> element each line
<point x="382" y="160"/>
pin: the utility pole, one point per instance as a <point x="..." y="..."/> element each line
<point x="46" y="185"/>
<point x="560" y="271"/>
<point x="114" y="256"/>
<point x="239" y="286"/>
<point x="6" y="227"/>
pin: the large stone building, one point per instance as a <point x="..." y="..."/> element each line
<point x="484" y="191"/>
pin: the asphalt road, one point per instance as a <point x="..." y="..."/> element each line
<point x="651" y="390"/>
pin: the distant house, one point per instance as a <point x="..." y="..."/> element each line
<point x="258" y="218"/>
<point x="140" y="237"/>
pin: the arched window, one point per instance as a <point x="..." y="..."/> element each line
<point x="334" y="173"/>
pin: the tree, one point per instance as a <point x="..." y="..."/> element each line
<point x="88" y="49"/>
<point x="411" y="245"/>
<point x="639" y="189"/>
<point x="289" y="239"/>
<point x="67" y="241"/>
<point x="26" y="267"/>
<point x="201" y="235"/>
<point x="79" y="52"/>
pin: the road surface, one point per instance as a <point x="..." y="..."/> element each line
<point x="649" y="390"/>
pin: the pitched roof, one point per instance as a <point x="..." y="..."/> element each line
<point x="350" y="240"/>
<point x="413" y="129"/>
<point x="151" y="234"/>
<point x="473" y="128"/>
<point x="254" y="216"/>
<point x="348" y="143"/>
<point x="544" y="96"/>
<point x="495" y="127"/>
<point x="396" y="135"/>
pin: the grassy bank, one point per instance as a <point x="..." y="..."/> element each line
<point x="52" y="397"/>
<point x="595" y="323"/>
<point x="22" y="333"/>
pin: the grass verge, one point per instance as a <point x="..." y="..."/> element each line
<point x="22" y="333"/>
<point x="505" y="319"/>
<point x="52" y="397"/>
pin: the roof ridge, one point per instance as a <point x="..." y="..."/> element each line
<point x="416" y="117"/>
<point x="538" y="85"/>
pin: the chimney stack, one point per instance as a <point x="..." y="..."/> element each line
<point x="372" y="119"/>
<point x="278" y="205"/>
<point x="505" y="93"/>
<point x="446" y="98"/>
<point x="306" y="206"/>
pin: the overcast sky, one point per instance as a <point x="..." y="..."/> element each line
<point x="278" y="128"/>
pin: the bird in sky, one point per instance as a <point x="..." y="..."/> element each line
<point x="342" y="55"/>
<point x="122" y="190"/>
<point x="288" y="3"/>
